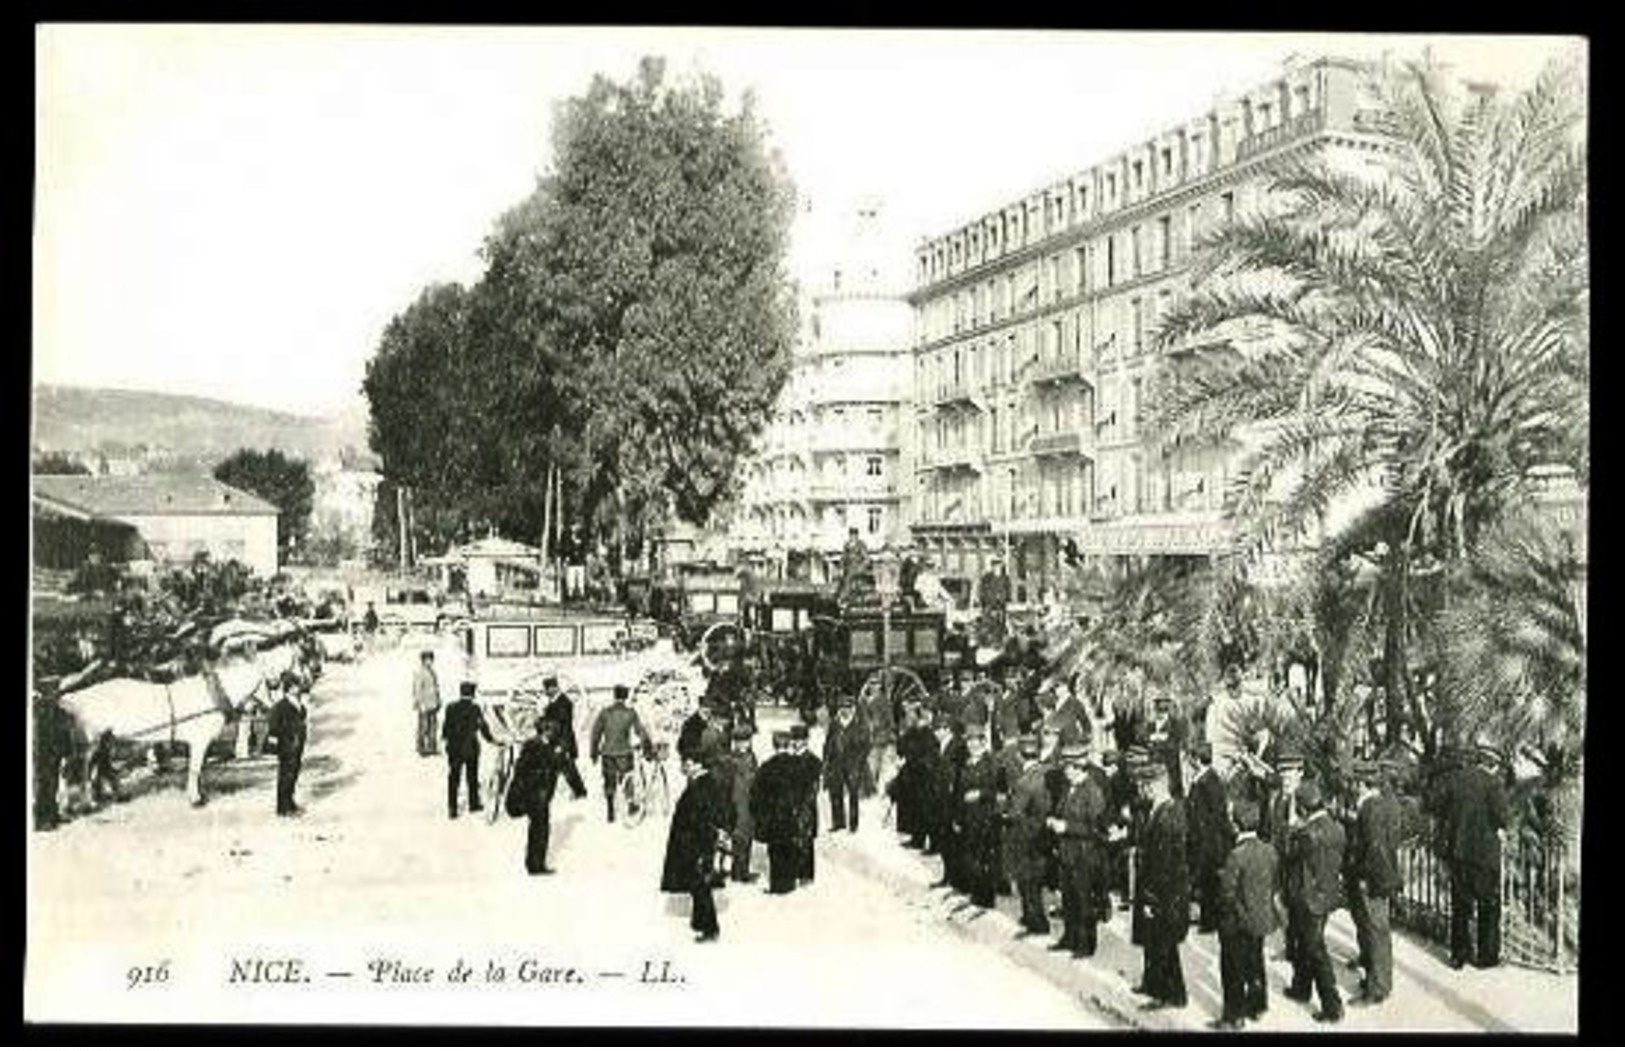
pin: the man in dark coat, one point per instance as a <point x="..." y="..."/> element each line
<point x="846" y="756"/>
<point x="738" y="773"/>
<point x="1169" y="735"/>
<point x="773" y="805"/>
<point x="699" y="735"/>
<point x="53" y="745"/>
<point x="979" y="821"/>
<point x="944" y="836"/>
<point x="810" y="773"/>
<point x="1028" y="809"/>
<point x="287" y="724"/>
<point x="1315" y="852"/>
<point x="698" y="824"/>
<point x="1280" y="818"/>
<point x="1471" y="810"/>
<point x="1207" y="807"/>
<point x="1247" y="885"/>
<point x="912" y="788"/>
<point x="462" y="728"/>
<point x="535" y="778"/>
<point x="560" y="711"/>
<point x="1162" y="889"/>
<point x="1378" y="827"/>
<point x="1076" y="825"/>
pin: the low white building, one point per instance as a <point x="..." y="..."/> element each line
<point x="178" y="516"/>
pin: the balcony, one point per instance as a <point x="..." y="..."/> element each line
<point x="831" y="493"/>
<point x="1057" y="444"/>
<point x="950" y="460"/>
<point x="1301" y="125"/>
<point x="952" y="394"/>
<point x="1064" y="369"/>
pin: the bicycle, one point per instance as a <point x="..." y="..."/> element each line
<point x="510" y="730"/>
<point x="644" y="787"/>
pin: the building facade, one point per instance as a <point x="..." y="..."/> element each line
<point x="1033" y="357"/>
<point x="832" y="458"/>
<point x="178" y="516"/>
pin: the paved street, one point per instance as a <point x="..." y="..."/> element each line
<point x="374" y="873"/>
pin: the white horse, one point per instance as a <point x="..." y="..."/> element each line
<point x="188" y="710"/>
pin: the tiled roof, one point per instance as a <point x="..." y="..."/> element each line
<point x="104" y="495"/>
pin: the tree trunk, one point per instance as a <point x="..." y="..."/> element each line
<point x="1395" y="652"/>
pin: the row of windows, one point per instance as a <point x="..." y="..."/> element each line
<point x="871" y="519"/>
<point x="1142" y="250"/>
<point x="1126" y="487"/>
<point x="1170" y="159"/>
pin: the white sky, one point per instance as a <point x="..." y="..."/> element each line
<point x="237" y="211"/>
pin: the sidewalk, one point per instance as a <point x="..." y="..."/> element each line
<point x="1428" y="995"/>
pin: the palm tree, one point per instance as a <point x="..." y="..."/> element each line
<point x="1417" y="341"/>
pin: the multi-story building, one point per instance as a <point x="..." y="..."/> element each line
<point x="831" y="458"/>
<point x="1033" y="357"/>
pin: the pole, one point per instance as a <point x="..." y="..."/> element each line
<point x="400" y="520"/>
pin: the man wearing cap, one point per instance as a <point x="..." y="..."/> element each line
<point x="609" y="742"/>
<point x="1315" y="853"/>
<point x="978" y="821"/>
<point x="1162" y="889"/>
<point x="1029" y="807"/>
<point x="698" y="735"/>
<point x="535" y="778"/>
<point x="465" y="725"/>
<point x="949" y="752"/>
<point x="846" y="756"/>
<point x="809" y="771"/>
<point x="993" y="594"/>
<point x="699" y="825"/>
<point x="738" y="773"/>
<point x="1076" y="824"/>
<point x="287" y="723"/>
<point x="773" y="804"/>
<point x="1247" y="884"/>
<point x="1472" y="815"/>
<point x="1211" y="834"/>
<point x="1378" y="826"/>
<point x="426" y="701"/>
<point x="560" y="711"/>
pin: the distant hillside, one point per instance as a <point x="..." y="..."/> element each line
<point x="199" y="429"/>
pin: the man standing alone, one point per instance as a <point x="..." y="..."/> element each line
<point x="426" y="699"/>
<point x="1163" y="890"/>
<point x="1316" y="853"/>
<point x="287" y="725"/>
<point x="1471" y="809"/>
<point x="1377" y="828"/>
<point x="610" y="742"/>
<point x="846" y="754"/>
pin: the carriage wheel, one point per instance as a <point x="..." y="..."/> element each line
<point x="718" y="641"/>
<point x="899" y="686"/>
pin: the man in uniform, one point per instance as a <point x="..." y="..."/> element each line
<point x="993" y="593"/>
<point x="1211" y="833"/>
<point x="560" y="711"/>
<point x="1076" y="825"/>
<point x="1247" y="884"/>
<point x="609" y="742"/>
<point x="979" y="821"/>
<point x="945" y="833"/>
<point x="287" y="725"/>
<point x="1169" y="736"/>
<point x="846" y="753"/>
<point x="425" y="699"/>
<point x="1472" y="813"/>
<point x="535" y="777"/>
<point x="773" y="805"/>
<point x="464" y="726"/>
<point x="1315" y="856"/>
<point x="698" y="824"/>
<point x="809" y="769"/>
<point x="739" y="774"/>
<point x="854" y="565"/>
<point x="1378" y="826"/>
<point x="1162" y="889"/>
<point x="1028" y="809"/>
<point x="918" y="748"/>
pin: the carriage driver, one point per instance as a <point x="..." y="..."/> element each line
<point x="611" y="742"/>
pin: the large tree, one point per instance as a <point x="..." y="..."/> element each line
<point x="279" y="479"/>
<point x="642" y="290"/>
<point x="1426" y="334"/>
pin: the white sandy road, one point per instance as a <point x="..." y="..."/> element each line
<point x="375" y="905"/>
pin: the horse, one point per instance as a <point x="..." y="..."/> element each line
<point x="191" y="710"/>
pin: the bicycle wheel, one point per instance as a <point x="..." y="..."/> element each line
<point x="496" y="791"/>
<point x="631" y="799"/>
<point x="659" y="790"/>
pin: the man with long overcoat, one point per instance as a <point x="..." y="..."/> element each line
<point x="699" y="824"/>
<point x="846" y="757"/>
<point x="1162" y="888"/>
<point x="1315" y="856"/>
<point x="1248" y="882"/>
<point x="1076" y="825"/>
<point x="1211" y="834"/>
<point x="978" y="819"/>
<point x="774" y="802"/>
<point x="288" y="723"/>
<point x="810" y="774"/>
<point x="1470" y="807"/>
<point x="1029" y="807"/>
<point x="1378" y="828"/>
